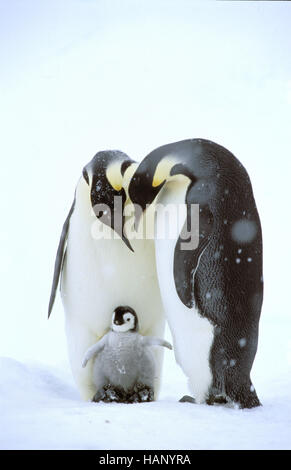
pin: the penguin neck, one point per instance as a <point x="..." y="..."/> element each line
<point x="171" y="201"/>
<point x="145" y="228"/>
<point x="122" y="334"/>
<point x="170" y="216"/>
<point x="127" y="177"/>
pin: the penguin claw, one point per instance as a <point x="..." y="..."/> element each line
<point x="111" y="395"/>
<point x="99" y="395"/>
<point x="139" y="393"/>
<point x="146" y="395"/>
<point x="211" y="400"/>
<point x="142" y="393"/>
<point x="107" y="394"/>
<point x="216" y="399"/>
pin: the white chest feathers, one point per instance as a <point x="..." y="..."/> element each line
<point x="192" y="334"/>
<point x="124" y="359"/>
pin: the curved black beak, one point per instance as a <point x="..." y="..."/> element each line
<point x="141" y="192"/>
<point x="110" y="210"/>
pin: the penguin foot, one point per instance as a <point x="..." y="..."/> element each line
<point x="141" y="393"/>
<point x="100" y="395"/>
<point x="187" y="399"/>
<point x="216" y="399"/>
<point x="249" y="402"/>
<point x="107" y="394"/>
<point x="243" y="396"/>
<point x="112" y="395"/>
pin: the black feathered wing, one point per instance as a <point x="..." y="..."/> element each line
<point x="60" y="258"/>
<point x="186" y="262"/>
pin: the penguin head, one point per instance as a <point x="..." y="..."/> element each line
<point x="161" y="165"/>
<point x="104" y="177"/>
<point x="124" y="319"/>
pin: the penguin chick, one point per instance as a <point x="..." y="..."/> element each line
<point x="124" y="366"/>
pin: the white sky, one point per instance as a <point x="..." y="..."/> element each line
<point x="82" y="76"/>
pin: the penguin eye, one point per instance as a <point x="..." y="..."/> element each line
<point x="101" y="214"/>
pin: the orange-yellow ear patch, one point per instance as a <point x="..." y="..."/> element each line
<point x="163" y="170"/>
<point x="114" y="176"/>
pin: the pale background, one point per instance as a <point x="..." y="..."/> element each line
<point x="82" y="76"/>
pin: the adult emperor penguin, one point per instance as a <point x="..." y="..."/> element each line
<point x="100" y="267"/>
<point x="213" y="289"/>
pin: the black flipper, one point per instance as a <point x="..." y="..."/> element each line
<point x="186" y="262"/>
<point x="59" y="259"/>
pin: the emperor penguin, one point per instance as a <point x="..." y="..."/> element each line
<point x="123" y="363"/>
<point x="210" y="273"/>
<point x="99" y="267"/>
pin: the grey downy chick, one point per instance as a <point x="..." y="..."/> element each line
<point x="124" y="365"/>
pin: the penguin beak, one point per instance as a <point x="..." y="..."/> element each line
<point x="147" y="181"/>
<point x="118" y="228"/>
<point x="142" y="194"/>
<point x="109" y="210"/>
<point x="126" y="241"/>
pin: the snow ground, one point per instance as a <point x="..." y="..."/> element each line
<point x="40" y="409"/>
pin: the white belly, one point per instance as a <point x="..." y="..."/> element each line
<point x="98" y="276"/>
<point x="192" y="334"/>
